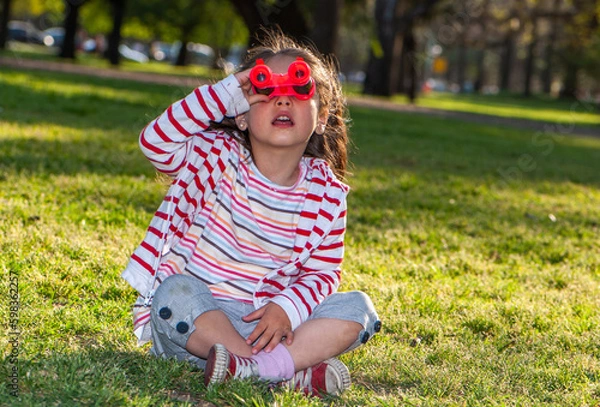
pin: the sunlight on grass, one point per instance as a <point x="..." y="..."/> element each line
<point x="479" y="246"/>
<point x="555" y="111"/>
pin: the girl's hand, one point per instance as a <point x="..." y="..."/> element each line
<point x="274" y="327"/>
<point x="244" y="80"/>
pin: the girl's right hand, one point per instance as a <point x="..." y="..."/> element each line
<point x="243" y="78"/>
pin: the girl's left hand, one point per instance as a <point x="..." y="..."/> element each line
<point x="274" y="327"/>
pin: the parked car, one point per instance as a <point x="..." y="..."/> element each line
<point x="200" y="54"/>
<point x="53" y="37"/>
<point x="24" y="31"/>
<point x="132" y="54"/>
<point x="163" y="51"/>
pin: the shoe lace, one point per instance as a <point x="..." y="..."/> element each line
<point x="244" y="367"/>
<point x="302" y="380"/>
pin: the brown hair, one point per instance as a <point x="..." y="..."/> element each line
<point x="332" y="146"/>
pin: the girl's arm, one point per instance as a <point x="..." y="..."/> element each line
<point x="319" y="278"/>
<point x="165" y="140"/>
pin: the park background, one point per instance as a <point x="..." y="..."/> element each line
<point x="473" y="218"/>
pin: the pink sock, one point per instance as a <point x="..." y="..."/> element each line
<point x="277" y="364"/>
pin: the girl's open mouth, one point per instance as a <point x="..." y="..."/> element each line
<point x="283" y="121"/>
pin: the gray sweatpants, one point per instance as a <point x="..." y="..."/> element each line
<point x="180" y="299"/>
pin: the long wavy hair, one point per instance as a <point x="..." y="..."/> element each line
<point x="332" y="146"/>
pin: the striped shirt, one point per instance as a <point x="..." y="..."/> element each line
<point x="245" y="230"/>
<point x="294" y="248"/>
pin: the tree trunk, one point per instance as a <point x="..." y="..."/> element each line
<point x="481" y="76"/>
<point x="394" y="20"/>
<point x="410" y="48"/>
<point x="549" y="52"/>
<point x="382" y="76"/>
<point x="326" y="25"/>
<point x="70" y="25"/>
<point x="529" y="66"/>
<point x="483" y="26"/>
<point x="290" y="18"/>
<point x="114" y="38"/>
<point x="262" y="13"/>
<point x="462" y="60"/>
<point x="183" y="53"/>
<point x="507" y="62"/>
<point x="249" y="13"/>
<point x="4" y="23"/>
<point x="569" y="89"/>
<point x="374" y="79"/>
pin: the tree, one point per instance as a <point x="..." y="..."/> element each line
<point x="262" y="13"/>
<point x="580" y="45"/>
<point x="483" y="23"/>
<point x="71" y="24"/>
<point x="211" y="22"/>
<point x="326" y="25"/>
<point x="549" y="51"/>
<point x="394" y="20"/>
<point x="114" y="38"/>
<point x="532" y="27"/>
<point x="4" y="23"/>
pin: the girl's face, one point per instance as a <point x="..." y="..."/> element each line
<point x="284" y="121"/>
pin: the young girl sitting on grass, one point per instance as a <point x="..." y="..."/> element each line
<point x="239" y="268"/>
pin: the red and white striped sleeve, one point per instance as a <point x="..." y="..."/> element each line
<point x="164" y="141"/>
<point x="320" y="275"/>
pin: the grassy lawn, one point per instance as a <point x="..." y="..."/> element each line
<point x="568" y="113"/>
<point x="479" y="246"/>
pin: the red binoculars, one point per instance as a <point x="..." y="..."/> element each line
<point x="296" y="82"/>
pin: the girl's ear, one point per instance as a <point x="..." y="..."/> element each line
<point x="241" y="123"/>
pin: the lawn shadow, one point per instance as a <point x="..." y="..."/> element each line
<point x="460" y="176"/>
<point x="71" y="132"/>
<point x="437" y="148"/>
<point x="82" y="102"/>
<point x="96" y="376"/>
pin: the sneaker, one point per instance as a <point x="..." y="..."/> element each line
<point x="329" y="377"/>
<point x="222" y="365"/>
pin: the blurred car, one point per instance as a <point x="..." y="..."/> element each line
<point x="197" y="54"/>
<point x="132" y="54"/>
<point x="53" y="37"/>
<point x="24" y="31"/>
<point x="200" y="54"/>
<point x="163" y="51"/>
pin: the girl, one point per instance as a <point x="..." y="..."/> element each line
<point x="239" y="268"/>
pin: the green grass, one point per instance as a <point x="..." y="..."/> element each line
<point x="479" y="246"/>
<point x="540" y="108"/>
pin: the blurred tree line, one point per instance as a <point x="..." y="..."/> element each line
<point x="400" y="46"/>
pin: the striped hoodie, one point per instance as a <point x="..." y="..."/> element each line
<point x="179" y="143"/>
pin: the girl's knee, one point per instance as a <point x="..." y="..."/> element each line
<point x="178" y="301"/>
<point x="355" y="306"/>
<point x="365" y="315"/>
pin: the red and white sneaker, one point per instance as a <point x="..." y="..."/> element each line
<point x="222" y="365"/>
<point x="329" y="377"/>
